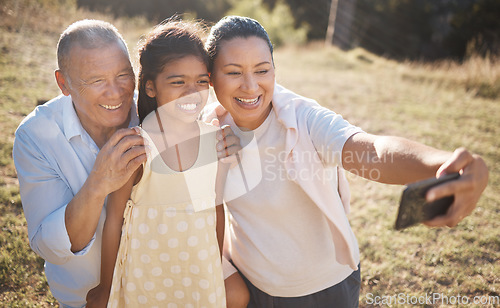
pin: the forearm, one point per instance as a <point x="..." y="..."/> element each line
<point x="220" y="226"/>
<point x="83" y="213"/>
<point x="48" y="188"/>
<point x="110" y="245"/>
<point x="391" y="160"/>
<point x="220" y="182"/>
<point x="116" y="162"/>
<point x="117" y="201"/>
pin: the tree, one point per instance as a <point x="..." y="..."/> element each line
<point x="330" y="31"/>
<point x="158" y="10"/>
<point x="475" y="29"/>
<point x="340" y="23"/>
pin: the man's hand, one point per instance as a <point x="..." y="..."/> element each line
<point x="118" y="159"/>
<point x="467" y="190"/>
<point x="116" y="162"/>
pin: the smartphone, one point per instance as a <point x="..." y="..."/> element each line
<point x="413" y="207"/>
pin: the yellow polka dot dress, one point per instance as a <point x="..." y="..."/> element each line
<point x="168" y="254"/>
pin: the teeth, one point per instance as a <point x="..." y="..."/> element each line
<point x="248" y="101"/>
<point x="187" y="107"/>
<point x="109" y="107"/>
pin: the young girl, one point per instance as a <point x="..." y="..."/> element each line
<point x="169" y="254"/>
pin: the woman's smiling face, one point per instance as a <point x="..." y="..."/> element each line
<point x="243" y="79"/>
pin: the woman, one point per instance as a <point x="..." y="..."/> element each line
<point x="289" y="234"/>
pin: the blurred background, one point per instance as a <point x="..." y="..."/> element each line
<point x="409" y="29"/>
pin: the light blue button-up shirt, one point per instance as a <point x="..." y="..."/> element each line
<point x="54" y="155"/>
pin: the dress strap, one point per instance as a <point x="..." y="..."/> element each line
<point x="121" y="257"/>
<point x="165" y="140"/>
<point x="127" y="216"/>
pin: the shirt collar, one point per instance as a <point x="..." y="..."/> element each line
<point x="134" y="118"/>
<point x="284" y="106"/>
<point x="72" y="126"/>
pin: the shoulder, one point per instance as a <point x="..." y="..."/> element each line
<point x="285" y="97"/>
<point x="292" y="109"/>
<point x="44" y="118"/>
<point x="288" y="103"/>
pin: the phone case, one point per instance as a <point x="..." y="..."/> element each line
<point x="413" y="207"/>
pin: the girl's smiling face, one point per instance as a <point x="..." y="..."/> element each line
<point x="243" y="79"/>
<point x="181" y="89"/>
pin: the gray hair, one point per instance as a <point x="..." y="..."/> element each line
<point x="89" y="34"/>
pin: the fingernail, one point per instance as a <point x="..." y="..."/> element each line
<point x="219" y="147"/>
<point x="431" y="196"/>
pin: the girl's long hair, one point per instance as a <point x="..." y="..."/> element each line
<point x="170" y="40"/>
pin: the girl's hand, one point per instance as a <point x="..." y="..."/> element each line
<point x="467" y="190"/>
<point x="228" y="144"/>
<point x="97" y="297"/>
<point x="212" y="113"/>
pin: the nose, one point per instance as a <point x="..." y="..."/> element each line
<point x="114" y="89"/>
<point x="250" y="84"/>
<point x="192" y="92"/>
<point x="191" y="88"/>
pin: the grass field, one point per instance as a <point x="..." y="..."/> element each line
<point x="445" y="105"/>
<point x="437" y="106"/>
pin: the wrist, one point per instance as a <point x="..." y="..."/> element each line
<point x="97" y="185"/>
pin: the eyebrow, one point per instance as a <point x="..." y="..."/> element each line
<point x="238" y="65"/>
<point x="180" y="76"/>
<point x="103" y="75"/>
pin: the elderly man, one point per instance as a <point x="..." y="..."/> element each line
<point x="71" y="152"/>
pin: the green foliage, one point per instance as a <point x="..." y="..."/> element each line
<point x="410" y="29"/>
<point x="403" y="29"/>
<point x="312" y="13"/>
<point x="158" y="10"/>
<point x="278" y="22"/>
<point x="476" y="28"/>
<point x="428" y="29"/>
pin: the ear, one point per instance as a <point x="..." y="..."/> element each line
<point x="150" y="89"/>
<point x="62" y="82"/>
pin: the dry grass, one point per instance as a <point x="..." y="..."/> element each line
<point x="431" y="104"/>
<point x="29" y="31"/>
